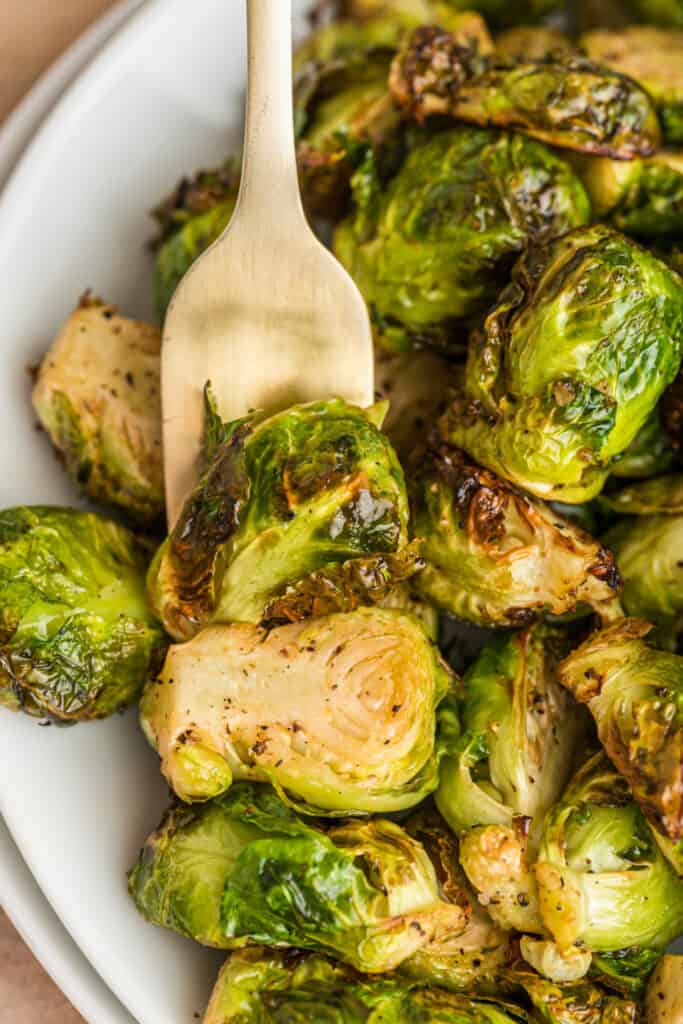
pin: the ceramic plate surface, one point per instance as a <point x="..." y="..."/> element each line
<point x="163" y="97"/>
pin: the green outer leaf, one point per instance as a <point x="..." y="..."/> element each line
<point x="626" y="970"/>
<point x="76" y="638"/>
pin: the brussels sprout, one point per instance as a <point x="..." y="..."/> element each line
<point x="654" y="58"/>
<point x="603" y="883"/>
<point x="472" y="960"/>
<point x="189" y="220"/>
<point x="519" y="737"/>
<point x="418" y="386"/>
<point x="651" y="452"/>
<point x="661" y="12"/>
<point x="97" y="396"/>
<point x="661" y="496"/>
<point x="570" y="103"/>
<point x="76" y="638"/>
<point x="528" y="43"/>
<point x="582" y="1003"/>
<point x="643" y="197"/>
<point x="664" y="1001"/>
<point x="496" y="557"/>
<point x="245" y="868"/>
<point x="648" y="552"/>
<point x="570" y="364"/>
<point x="338" y="711"/>
<point x="282" y="498"/>
<point x="625" y="971"/>
<point x="270" y="987"/>
<point x="435" y="245"/>
<point x="635" y="694"/>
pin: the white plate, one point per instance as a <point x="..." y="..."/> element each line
<point x="163" y="97"/>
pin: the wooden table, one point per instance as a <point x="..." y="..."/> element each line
<point x="32" y="34"/>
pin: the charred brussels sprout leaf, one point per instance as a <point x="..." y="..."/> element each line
<point x="602" y="880"/>
<point x="649" y="552"/>
<point x="434" y="246"/>
<point x="97" y="397"/>
<point x="281" y="498"/>
<point x="643" y="198"/>
<point x="570" y="103"/>
<point x="654" y="58"/>
<point x="519" y="736"/>
<point x="571" y="363"/>
<point x="574" y="1003"/>
<point x="189" y="220"/>
<point x="496" y="557"/>
<point x="635" y="694"/>
<point x="339" y="711"/>
<point x="269" y="987"/>
<point x="76" y="638"/>
<point x="245" y="868"/>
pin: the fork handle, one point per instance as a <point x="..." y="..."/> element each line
<point x="270" y="186"/>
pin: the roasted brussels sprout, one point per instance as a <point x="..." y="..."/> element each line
<point x="662" y="495"/>
<point x="189" y="220"/>
<point x="635" y="694"/>
<point x="651" y="452"/>
<point x="664" y="1000"/>
<point x="626" y="971"/>
<point x="97" y="396"/>
<point x="530" y="43"/>
<point x="651" y="56"/>
<point x="338" y="711"/>
<point x="496" y="557"/>
<point x="76" y="638"/>
<point x="470" y="961"/>
<point x="434" y="246"/>
<point x="511" y="762"/>
<point x="245" y="868"/>
<point x="642" y="197"/>
<point x="570" y="103"/>
<point x="649" y="552"/>
<point x="574" y="1003"/>
<point x="603" y="883"/>
<point x="282" y="497"/>
<point x="571" y="363"/>
<point x="271" y="987"/>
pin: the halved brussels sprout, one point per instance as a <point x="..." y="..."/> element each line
<point x="76" y="638"/>
<point x="571" y="103"/>
<point x="574" y="1003"/>
<point x="510" y="763"/>
<point x="338" y="711"/>
<point x="190" y="219"/>
<point x="662" y="495"/>
<point x="635" y="694"/>
<point x="271" y="987"/>
<point x="282" y="497"/>
<point x="97" y="396"/>
<point x="642" y="197"/>
<point x="649" y="552"/>
<point x="496" y="557"/>
<point x="603" y="883"/>
<point x="654" y="58"/>
<point x="532" y="43"/>
<point x="245" y="868"/>
<point x="434" y="246"/>
<point x="571" y="363"/>
<point x="664" y="1000"/>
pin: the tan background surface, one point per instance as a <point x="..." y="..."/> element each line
<point x="32" y="34"/>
